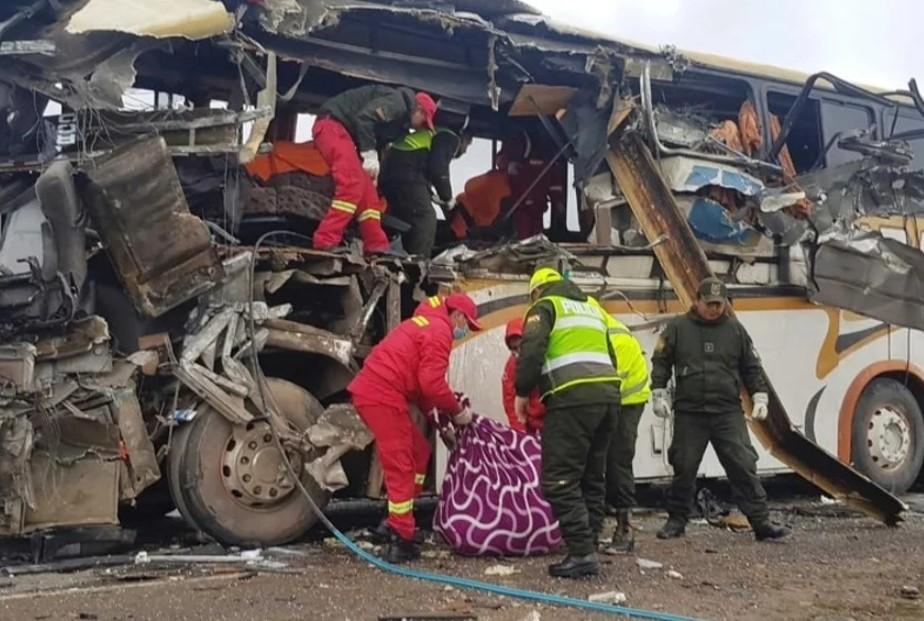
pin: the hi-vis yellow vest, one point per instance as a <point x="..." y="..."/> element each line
<point x="633" y="368"/>
<point x="578" y="352"/>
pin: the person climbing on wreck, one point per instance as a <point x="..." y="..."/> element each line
<point x="348" y="132"/>
<point x="411" y="167"/>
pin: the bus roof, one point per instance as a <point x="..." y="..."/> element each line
<point x="703" y="59"/>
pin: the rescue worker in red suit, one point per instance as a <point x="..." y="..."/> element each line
<point x="353" y="125"/>
<point x="409" y="367"/>
<point x="535" y="410"/>
<point x="524" y="159"/>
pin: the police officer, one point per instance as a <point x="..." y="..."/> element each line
<point x="711" y="355"/>
<point x="635" y="389"/>
<point x="566" y="353"/>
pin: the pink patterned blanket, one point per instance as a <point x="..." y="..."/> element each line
<point x="491" y="502"/>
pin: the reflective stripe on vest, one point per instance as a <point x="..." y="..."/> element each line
<point x="578" y="352"/>
<point x="633" y="369"/>
<point x="416" y="141"/>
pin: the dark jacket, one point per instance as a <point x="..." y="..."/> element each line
<point x="538" y="324"/>
<point x="374" y="115"/>
<point x="711" y="360"/>
<point x="423" y="166"/>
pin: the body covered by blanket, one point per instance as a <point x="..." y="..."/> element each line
<point x="491" y="502"/>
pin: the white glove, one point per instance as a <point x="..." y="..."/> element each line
<point x="371" y="163"/>
<point x="464" y="417"/>
<point x="761" y="406"/>
<point x="451" y="204"/>
<point x="661" y="403"/>
<point x="521" y="408"/>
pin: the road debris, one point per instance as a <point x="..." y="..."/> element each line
<point x="676" y="575"/>
<point x="645" y="564"/>
<point x="501" y="570"/>
<point x="910" y="592"/>
<point x="610" y="597"/>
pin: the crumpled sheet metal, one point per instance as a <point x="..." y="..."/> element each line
<point x="341" y="430"/>
<point x="190" y="19"/>
<point x="871" y="275"/>
<point x="687" y="174"/>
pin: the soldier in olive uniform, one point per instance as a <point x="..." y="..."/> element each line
<point x="566" y="353"/>
<point x="711" y="356"/>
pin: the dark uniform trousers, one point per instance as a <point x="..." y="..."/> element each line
<point x="410" y="202"/>
<point x="729" y="436"/>
<point x="620" y="480"/>
<point x="574" y="445"/>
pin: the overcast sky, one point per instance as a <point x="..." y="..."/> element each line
<point x="880" y="43"/>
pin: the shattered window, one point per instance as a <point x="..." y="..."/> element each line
<point x="804" y="140"/>
<point x="842" y="118"/>
<point x="908" y="124"/>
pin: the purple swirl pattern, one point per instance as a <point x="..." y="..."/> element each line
<point x="491" y="502"/>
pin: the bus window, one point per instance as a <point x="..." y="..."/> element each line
<point x="907" y="123"/>
<point x="836" y="118"/>
<point x="804" y="140"/>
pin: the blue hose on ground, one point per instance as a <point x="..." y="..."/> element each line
<point x="499" y="589"/>
<point x="407" y="572"/>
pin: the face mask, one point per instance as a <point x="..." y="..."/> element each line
<point x="459" y="333"/>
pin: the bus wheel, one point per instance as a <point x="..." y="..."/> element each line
<point x="232" y="479"/>
<point x="888" y="435"/>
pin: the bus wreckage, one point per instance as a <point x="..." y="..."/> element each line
<point x="135" y="303"/>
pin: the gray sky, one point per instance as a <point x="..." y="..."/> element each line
<point x="880" y="43"/>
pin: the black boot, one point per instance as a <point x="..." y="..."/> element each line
<point x="401" y="551"/>
<point x="576" y="566"/>
<point x="770" y="531"/>
<point x="674" y="527"/>
<point x="383" y="534"/>
<point x="623" y="537"/>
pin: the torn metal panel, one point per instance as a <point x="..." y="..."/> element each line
<point x="163" y="254"/>
<point x="142" y="458"/>
<point x="536" y="99"/>
<point x="85" y="491"/>
<point x="340" y="430"/>
<point x="190" y="19"/>
<point x="871" y="275"/>
<point x="308" y="339"/>
<point x="686" y="265"/>
<point x="17" y="369"/>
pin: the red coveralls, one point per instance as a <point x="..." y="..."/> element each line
<point x="408" y="366"/>
<point x="524" y="164"/>
<point x="354" y="192"/>
<point x="536" y="410"/>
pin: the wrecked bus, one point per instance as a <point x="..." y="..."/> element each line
<point x="168" y="338"/>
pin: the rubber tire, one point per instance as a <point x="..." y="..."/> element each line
<point x="220" y="515"/>
<point x="175" y="465"/>
<point x="879" y="392"/>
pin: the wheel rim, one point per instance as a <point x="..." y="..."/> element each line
<point x="252" y="469"/>
<point x="889" y="437"/>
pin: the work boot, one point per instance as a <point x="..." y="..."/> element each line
<point x="674" y="527"/>
<point x="383" y="534"/>
<point x="770" y="531"/>
<point x="623" y="537"/>
<point x="576" y="566"/>
<point x="401" y="551"/>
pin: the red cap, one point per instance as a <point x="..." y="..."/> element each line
<point x="426" y="103"/>
<point x="465" y="305"/>
<point x="514" y="329"/>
